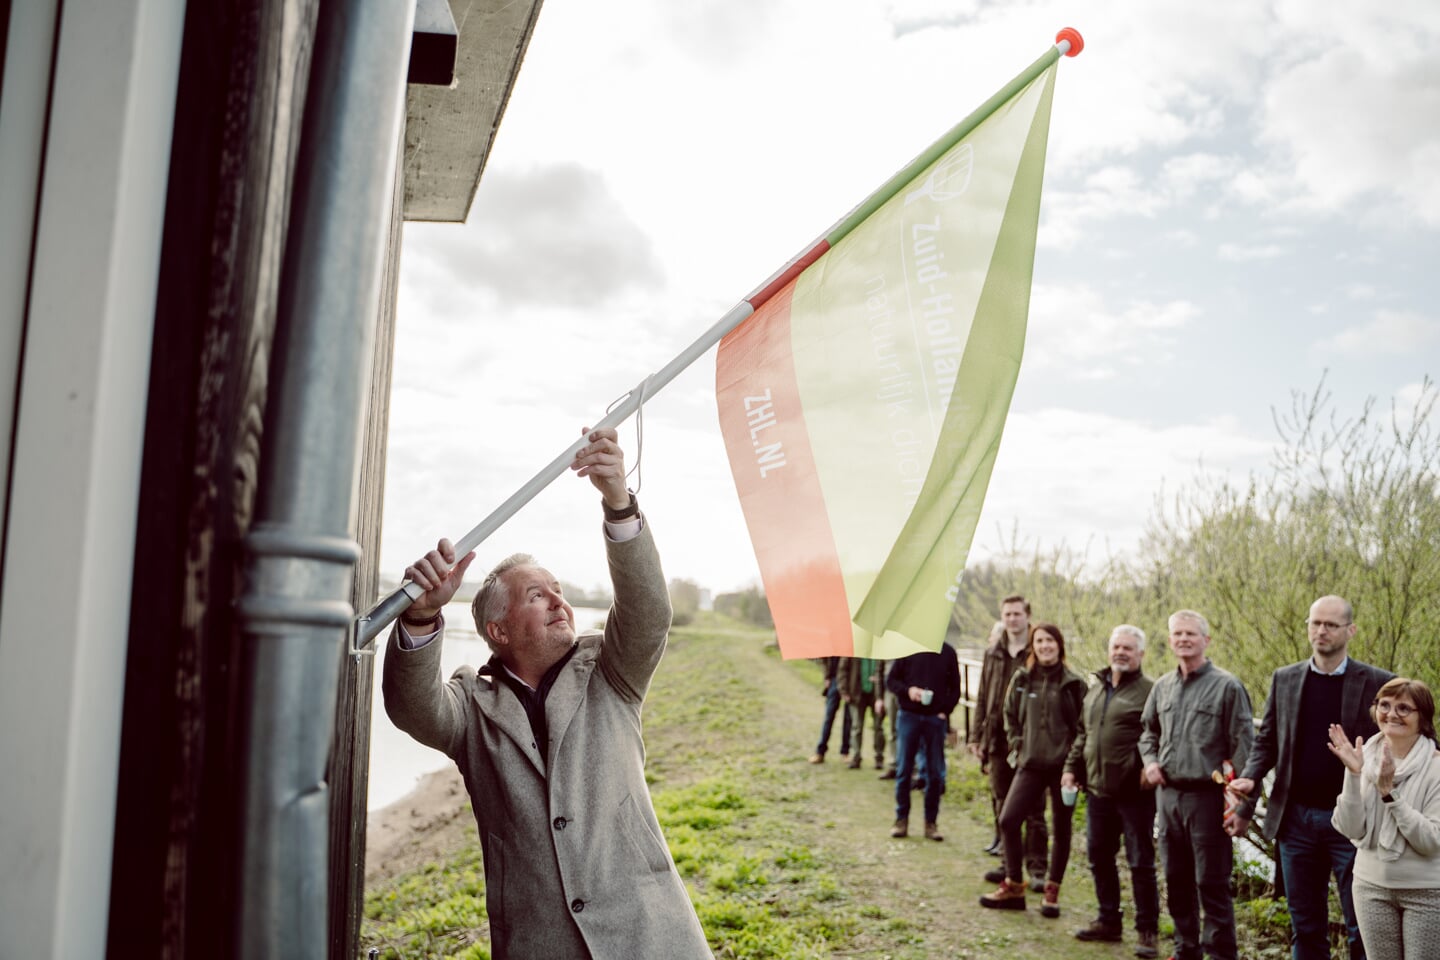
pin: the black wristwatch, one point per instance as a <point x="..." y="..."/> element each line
<point x="631" y="509"/>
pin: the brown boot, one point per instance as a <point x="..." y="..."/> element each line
<point x="932" y="831"/>
<point x="1009" y="896"/>
<point x="855" y="762"/>
<point x="901" y="829"/>
<point x="1148" y="947"/>
<point x="1050" y="907"/>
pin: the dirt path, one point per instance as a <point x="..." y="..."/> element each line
<point x="935" y="886"/>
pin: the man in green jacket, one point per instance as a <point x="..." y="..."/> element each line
<point x="1105" y="760"/>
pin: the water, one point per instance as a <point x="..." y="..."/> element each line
<point x="397" y="762"/>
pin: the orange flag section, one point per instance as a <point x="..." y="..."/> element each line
<point x="769" y="447"/>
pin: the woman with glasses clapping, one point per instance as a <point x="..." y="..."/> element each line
<point x="1390" y="809"/>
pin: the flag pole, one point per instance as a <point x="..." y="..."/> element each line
<point x="1068" y="42"/>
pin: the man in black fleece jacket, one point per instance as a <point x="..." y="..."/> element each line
<point x="927" y="686"/>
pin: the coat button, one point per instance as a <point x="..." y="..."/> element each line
<point x="560" y="822"/>
<point x="577" y="905"/>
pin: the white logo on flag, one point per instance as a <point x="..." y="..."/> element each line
<point x="947" y="181"/>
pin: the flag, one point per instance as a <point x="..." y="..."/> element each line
<point x="863" y="401"/>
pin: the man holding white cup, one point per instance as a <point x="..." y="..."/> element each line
<point x="1119" y="800"/>
<point x="927" y="688"/>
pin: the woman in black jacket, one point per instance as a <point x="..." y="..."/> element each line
<point x="1042" y="716"/>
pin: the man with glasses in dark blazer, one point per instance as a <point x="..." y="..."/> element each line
<point x="1305" y="698"/>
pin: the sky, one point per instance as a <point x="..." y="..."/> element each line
<point x="1240" y="198"/>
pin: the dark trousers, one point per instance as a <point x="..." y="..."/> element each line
<point x="832" y="704"/>
<point x="1037" y="839"/>
<point x="855" y="713"/>
<point x="1107" y="819"/>
<point x="1311" y="850"/>
<point x="1025" y="798"/>
<point x="925" y="735"/>
<point x="1199" y="856"/>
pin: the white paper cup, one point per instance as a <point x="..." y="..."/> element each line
<point x="926" y="696"/>
<point x="1068" y="794"/>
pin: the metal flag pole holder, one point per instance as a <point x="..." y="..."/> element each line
<point x="368" y="626"/>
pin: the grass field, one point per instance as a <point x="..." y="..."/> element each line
<point x="783" y="859"/>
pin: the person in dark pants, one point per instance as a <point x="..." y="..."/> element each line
<point x="927" y="687"/>
<point x="1196" y="720"/>
<point x="831" y="693"/>
<point x="1002" y="658"/>
<point x="1119" y="802"/>
<point x="1294" y="741"/>
<point x="1042" y="716"/>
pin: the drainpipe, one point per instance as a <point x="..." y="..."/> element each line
<point x="295" y="613"/>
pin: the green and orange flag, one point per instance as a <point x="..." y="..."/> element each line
<point x="863" y="401"/>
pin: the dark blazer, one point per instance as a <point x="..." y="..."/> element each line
<point x="1275" y="743"/>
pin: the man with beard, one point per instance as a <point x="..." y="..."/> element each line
<point x="1106" y="760"/>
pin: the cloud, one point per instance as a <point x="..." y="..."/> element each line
<point x="1092" y="479"/>
<point x="1074" y="331"/>
<point x="1388" y="332"/>
<point x="1350" y="118"/>
<point x="548" y="235"/>
<point x="1248" y="253"/>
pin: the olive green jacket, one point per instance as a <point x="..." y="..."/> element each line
<point x="1105" y="757"/>
<point x="1042" y="713"/>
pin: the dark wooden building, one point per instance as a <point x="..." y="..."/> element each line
<point x="200" y="223"/>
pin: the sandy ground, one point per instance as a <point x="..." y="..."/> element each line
<point x="424" y="825"/>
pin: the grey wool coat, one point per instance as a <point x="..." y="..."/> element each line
<point x="575" y="864"/>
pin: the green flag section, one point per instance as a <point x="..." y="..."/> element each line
<point x="862" y="404"/>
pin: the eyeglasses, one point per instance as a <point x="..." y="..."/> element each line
<point x="1326" y="624"/>
<point x="1401" y="710"/>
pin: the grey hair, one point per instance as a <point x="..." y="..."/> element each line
<point x="492" y="600"/>
<point x="1130" y="630"/>
<point x="1191" y="615"/>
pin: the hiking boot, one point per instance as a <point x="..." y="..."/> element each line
<point x="889" y="774"/>
<point x="817" y="758"/>
<point x="854" y="763"/>
<point x="1050" y="907"/>
<point x="932" y="831"/>
<point x="1104" y="933"/>
<point x="994" y="848"/>
<point x="1009" y="896"/>
<point x="1037" y="885"/>
<point x="880" y="765"/>
<point x="901" y="828"/>
<point x="1147" y="947"/>
<point x="995" y="876"/>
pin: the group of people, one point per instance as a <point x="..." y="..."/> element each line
<point x="547" y="735"/>
<point x="1176" y="762"/>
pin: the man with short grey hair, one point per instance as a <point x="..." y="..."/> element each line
<point x="1305" y="698"/>
<point x="1105" y="759"/>
<point x="1196" y="720"/>
<point x="548" y="738"/>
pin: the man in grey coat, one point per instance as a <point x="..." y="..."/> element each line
<point x="547" y="736"/>
<point x="1305" y="699"/>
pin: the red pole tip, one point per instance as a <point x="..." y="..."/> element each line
<point x="1077" y="42"/>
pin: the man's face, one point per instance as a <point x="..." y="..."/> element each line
<point x="1330" y="629"/>
<point x="1016" y="620"/>
<point x="1125" y="653"/>
<point x="538" y="616"/>
<point x="1186" y="639"/>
